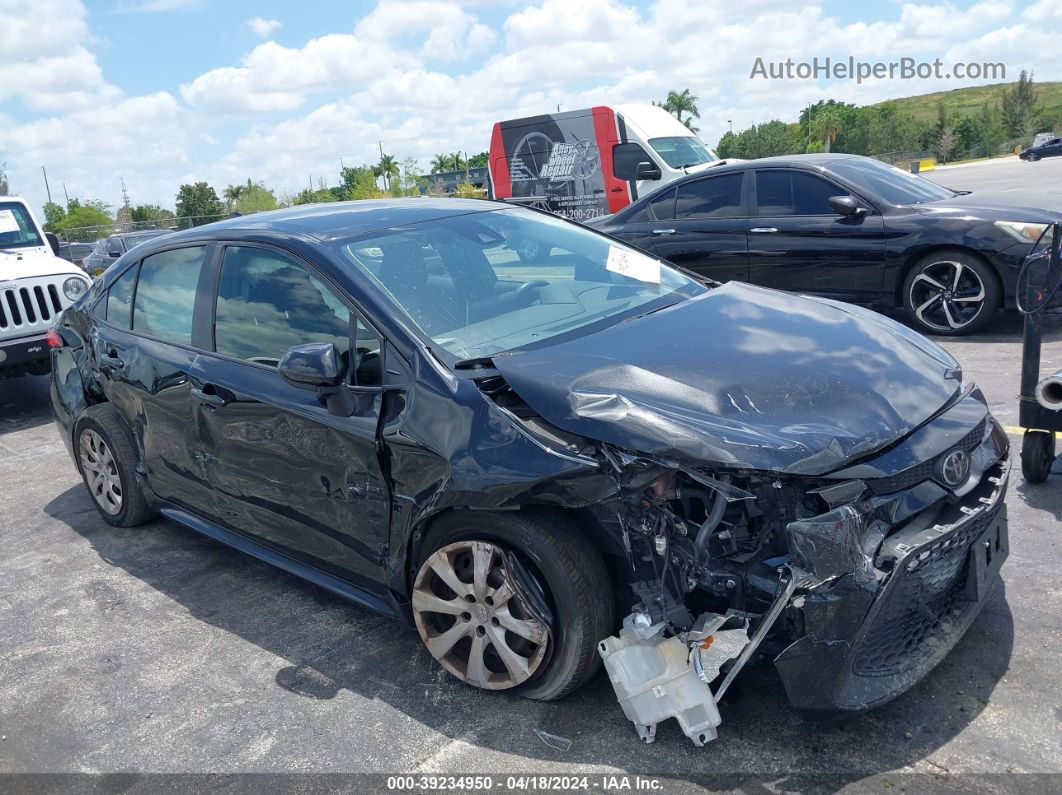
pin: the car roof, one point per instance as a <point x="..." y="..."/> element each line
<point x="143" y="232"/>
<point x="338" y="220"/>
<point x="815" y="159"/>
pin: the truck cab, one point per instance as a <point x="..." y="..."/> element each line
<point x="35" y="287"/>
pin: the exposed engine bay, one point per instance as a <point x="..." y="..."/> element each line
<point x="731" y="564"/>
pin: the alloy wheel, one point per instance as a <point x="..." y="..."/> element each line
<point x="101" y="472"/>
<point x="473" y="621"/>
<point x="947" y="295"/>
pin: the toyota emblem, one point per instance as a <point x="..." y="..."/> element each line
<point x="955" y="467"/>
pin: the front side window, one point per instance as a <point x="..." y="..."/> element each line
<point x="268" y="303"/>
<point x="682" y="151"/>
<point x="713" y="197"/>
<point x="780" y="192"/>
<point x="120" y="299"/>
<point x="165" y="294"/>
<point x="486" y="282"/>
<point x="17" y="229"/>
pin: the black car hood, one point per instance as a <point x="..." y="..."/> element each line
<point x="995" y="206"/>
<point x="742" y="377"/>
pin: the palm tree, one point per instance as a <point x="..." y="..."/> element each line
<point x="233" y="193"/>
<point x="457" y="162"/>
<point x="826" y="125"/>
<point x="388" y="169"/>
<point x="440" y="163"/>
<point x="678" y="103"/>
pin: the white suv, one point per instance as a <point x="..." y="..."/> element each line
<point x="35" y="286"/>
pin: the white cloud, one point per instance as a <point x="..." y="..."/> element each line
<point x="154" y="6"/>
<point x="263" y="28"/>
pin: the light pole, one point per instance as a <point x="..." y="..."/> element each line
<point x="731" y="123"/>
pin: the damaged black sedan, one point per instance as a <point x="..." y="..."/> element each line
<point x="544" y="449"/>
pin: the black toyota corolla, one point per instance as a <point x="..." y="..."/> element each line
<point x="512" y="431"/>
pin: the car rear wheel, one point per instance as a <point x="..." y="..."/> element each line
<point x="951" y="293"/>
<point x="513" y="601"/>
<point x="106" y="456"/>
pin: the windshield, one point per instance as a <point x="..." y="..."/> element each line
<point x="682" y="151"/>
<point x="892" y="184"/>
<point x="17" y="229"/>
<point x="486" y="282"/>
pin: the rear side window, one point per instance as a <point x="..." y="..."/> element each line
<point x="165" y="294"/>
<point x="120" y="299"/>
<point x="794" y="193"/>
<point x="268" y="303"/>
<point x="625" y="160"/>
<point x="714" y="197"/>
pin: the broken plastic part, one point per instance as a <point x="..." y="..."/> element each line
<point x="554" y="740"/>
<point x="654" y="681"/>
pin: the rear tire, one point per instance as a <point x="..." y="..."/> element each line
<point x="559" y="559"/>
<point x="106" y="457"/>
<point x="1037" y="455"/>
<point x="950" y="293"/>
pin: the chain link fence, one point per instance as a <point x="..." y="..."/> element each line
<point x="92" y="234"/>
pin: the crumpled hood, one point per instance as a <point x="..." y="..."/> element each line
<point x="743" y="377"/>
<point x="21" y="263"/>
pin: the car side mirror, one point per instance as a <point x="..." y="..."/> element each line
<point x="114" y="253"/>
<point x="646" y="170"/>
<point x="311" y="365"/>
<point x="847" y="206"/>
<point x="53" y="241"/>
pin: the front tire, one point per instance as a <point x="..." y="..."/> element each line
<point x="489" y="585"/>
<point x="950" y="293"/>
<point x="1037" y="455"/>
<point x="106" y="458"/>
<point x="1032" y="157"/>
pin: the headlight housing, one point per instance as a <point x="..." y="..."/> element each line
<point x="1024" y="232"/>
<point x="74" y="288"/>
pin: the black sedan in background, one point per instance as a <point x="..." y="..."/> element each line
<point x="1049" y="148"/>
<point x="111" y="248"/>
<point x="844" y="227"/>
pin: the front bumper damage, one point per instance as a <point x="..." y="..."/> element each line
<point x="866" y="597"/>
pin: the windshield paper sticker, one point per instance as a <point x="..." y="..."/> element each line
<point x="633" y="265"/>
<point x="8" y="222"/>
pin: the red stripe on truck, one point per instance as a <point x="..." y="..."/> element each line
<point x="617" y="192"/>
<point x="499" y="166"/>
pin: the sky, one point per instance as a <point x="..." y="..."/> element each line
<point x="163" y="92"/>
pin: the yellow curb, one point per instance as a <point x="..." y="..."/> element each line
<point x="1013" y="431"/>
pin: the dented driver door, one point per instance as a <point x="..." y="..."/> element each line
<point x="285" y="469"/>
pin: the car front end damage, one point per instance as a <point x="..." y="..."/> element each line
<point x="857" y="583"/>
<point x="844" y="519"/>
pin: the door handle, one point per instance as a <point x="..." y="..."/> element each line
<point x="616" y="190"/>
<point x="763" y="229"/>
<point x="662" y="231"/>
<point x="208" y="396"/>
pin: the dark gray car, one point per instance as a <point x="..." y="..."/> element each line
<point x="111" y="248"/>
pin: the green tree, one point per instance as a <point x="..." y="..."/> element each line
<point x="358" y="182"/>
<point x="441" y="163"/>
<point x="86" y="214"/>
<point x="143" y="213"/>
<point x="479" y="161"/>
<point x="410" y="181"/>
<point x="388" y="169"/>
<point x="826" y="125"/>
<point x="680" y="102"/>
<point x="53" y="216"/>
<point x="253" y="197"/>
<point x="198" y="204"/>
<point x="5" y="188"/>
<point x="1018" y="108"/>
<point x="232" y="194"/>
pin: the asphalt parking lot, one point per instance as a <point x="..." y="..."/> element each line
<point x="153" y="650"/>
